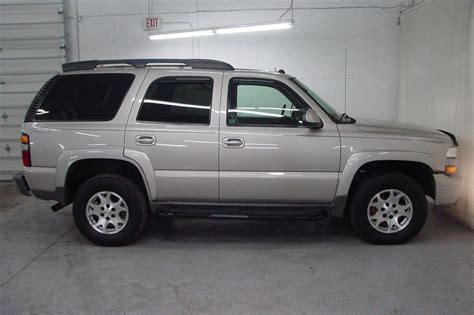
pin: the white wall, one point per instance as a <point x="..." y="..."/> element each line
<point x="437" y="42"/>
<point x="31" y="36"/>
<point x="314" y="50"/>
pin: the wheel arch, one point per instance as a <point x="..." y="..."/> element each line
<point x="360" y="167"/>
<point x="114" y="156"/>
<point x="82" y="170"/>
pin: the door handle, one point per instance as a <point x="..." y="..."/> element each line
<point x="145" y="140"/>
<point x="233" y="143"/>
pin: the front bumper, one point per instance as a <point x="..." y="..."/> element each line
<point x="448" y="190"/>
<point x="21" y="184"/>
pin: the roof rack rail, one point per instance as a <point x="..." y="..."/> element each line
<point x="142" y="63"/>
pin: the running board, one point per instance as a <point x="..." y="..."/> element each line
<point x="57" y="206"/>
<point x="315" y="217"/>
<point x="244" y="211"/>
<point x="229" y="216"/>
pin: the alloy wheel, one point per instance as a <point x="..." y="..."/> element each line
<point x="107" y="212"/>
<point x="390" y="211"/>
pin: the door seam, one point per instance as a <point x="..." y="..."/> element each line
<point x="219" y="114"/>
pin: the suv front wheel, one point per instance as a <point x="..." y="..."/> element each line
<point x="110" y="210"/>
<point x="388" y="209"/>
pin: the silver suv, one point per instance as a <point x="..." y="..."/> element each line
<point x="197" y="138"/>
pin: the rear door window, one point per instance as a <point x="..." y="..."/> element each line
<point x="178" y="100"/>
<point x="84" y="97"/>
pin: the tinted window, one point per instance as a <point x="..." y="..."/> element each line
<point x="264" y="103"/>
<point x="84" y="97"/>
<point x="334" y="114"/>
<point x="178" y="100"/>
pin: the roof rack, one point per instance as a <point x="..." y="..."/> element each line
<point x="142" y="63"/>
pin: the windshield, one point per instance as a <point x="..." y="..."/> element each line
<point x="334" y="114"/>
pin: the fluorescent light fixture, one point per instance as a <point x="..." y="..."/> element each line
<point x="254" y="28"/>
<point x="222" y="30"/>
<point x="182" y="34"/>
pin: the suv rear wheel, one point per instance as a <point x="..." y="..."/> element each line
<point x="388" y="209"/>
<point x="110" y="210"/>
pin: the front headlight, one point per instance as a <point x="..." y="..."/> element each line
<point x="450" y="167"/>
<point x="452" y="153"/>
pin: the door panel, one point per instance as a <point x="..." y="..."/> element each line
<point x="285" y="187"/>
<point x="187" y="185"/>
<point x="184" y="155"/>
<point x="277" y="164"/>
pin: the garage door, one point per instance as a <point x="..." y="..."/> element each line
<point x="31" y="51"/>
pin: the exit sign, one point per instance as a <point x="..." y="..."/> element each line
<point x="152" y="23"/>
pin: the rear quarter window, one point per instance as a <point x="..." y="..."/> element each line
<point x="84" y="97"/>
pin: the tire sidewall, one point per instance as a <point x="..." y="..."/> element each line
<point x="132" y="196"/>
<point x="369" y="189"/>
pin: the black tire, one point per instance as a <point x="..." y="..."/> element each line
<point x="368" y="189"/>
<point x="138" y="208"/>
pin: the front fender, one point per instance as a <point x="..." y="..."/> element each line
<point x="359" y="159"/>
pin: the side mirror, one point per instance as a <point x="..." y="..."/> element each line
<point x="311" y="119"/>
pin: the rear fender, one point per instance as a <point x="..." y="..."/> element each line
<point x="67" y="158"/>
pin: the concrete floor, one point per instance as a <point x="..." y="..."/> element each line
<point x="223" y="267"/>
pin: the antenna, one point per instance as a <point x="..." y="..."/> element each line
<point x="345" y="83"/>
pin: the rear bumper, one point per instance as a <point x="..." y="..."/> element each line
<point x="21" y="184"/>
<point x="448" y="190"/>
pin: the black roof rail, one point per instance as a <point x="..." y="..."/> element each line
<point x="142" y="63"/>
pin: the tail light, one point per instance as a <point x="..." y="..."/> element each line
<point x="25" y="149"/>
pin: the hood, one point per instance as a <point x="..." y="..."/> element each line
<point x="392" y="129"/>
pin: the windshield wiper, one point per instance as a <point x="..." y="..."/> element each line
<point x="344" y="116"/>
